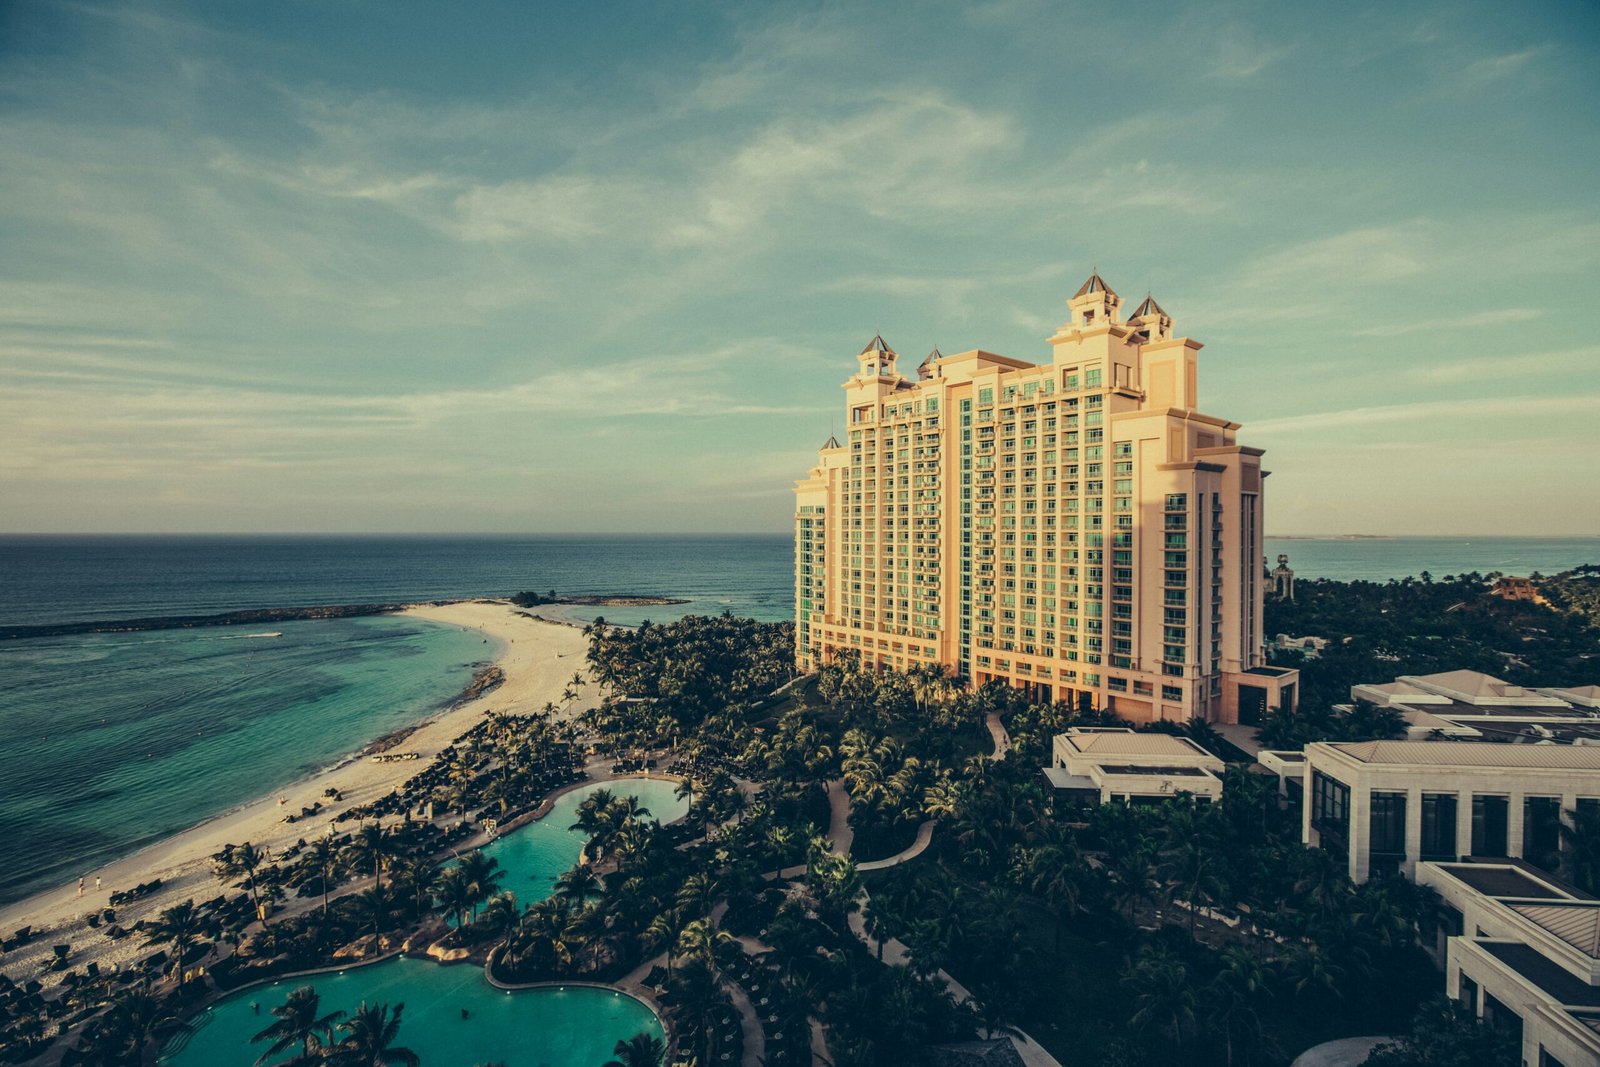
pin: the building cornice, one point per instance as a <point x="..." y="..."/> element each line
<point x="1173" y="342"/>
<point x="1230" y="450"/>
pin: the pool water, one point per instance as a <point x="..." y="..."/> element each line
<point x="573" y="1027"/>
<point x="536" y="854"/>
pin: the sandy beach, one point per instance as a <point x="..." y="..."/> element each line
<point x="538" y="658"/>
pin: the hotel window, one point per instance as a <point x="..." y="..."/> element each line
<point x="1468" y="996"/>
<point x="1330" y="812"/>
<point x="1502" y="1018"/>
<point x="1439" y="826"/>
<point x="1388" y="826"/>
<point x="1092" y="378"/>
<point x="1541" y="831"/>
<point x="1489" y="825"/>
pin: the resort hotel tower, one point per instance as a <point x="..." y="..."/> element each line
<point x="1076" y="527"/>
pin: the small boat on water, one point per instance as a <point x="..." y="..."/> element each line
<point x="274" y="633"/>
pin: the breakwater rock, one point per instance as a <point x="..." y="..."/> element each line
<point x="249" y="617"/>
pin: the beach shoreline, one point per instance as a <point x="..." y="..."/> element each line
<point x="537" y="659"/>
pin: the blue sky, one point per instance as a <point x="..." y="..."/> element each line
<point x="347" y="266"/>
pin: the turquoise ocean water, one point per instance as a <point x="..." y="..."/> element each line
<point x="117" y="740"/>
<point x="114" y="741"/>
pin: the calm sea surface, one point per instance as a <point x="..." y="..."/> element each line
<point x="115" y="740"/>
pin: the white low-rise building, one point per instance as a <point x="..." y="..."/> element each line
<point x="1115" y="764"/>
<point x="1473" y="706"/>
<point x="1384" y="806"/>
<point x="1522" y="952"/>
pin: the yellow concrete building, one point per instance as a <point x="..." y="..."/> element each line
<point x="1076" y="527"/>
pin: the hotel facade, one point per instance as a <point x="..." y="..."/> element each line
<point x="1075" y="527"/>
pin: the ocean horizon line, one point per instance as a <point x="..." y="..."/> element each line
<point x="307" y="535"/>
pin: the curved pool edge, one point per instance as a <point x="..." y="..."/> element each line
<point x="648" y="1000"/>
<point x="652" y="1009"/>
<point x="217" y="996"/>
<point x="546" y="806"/>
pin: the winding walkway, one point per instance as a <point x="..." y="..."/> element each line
<point x="894" y="951"/>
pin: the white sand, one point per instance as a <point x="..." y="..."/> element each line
<point x="538" y="658"/>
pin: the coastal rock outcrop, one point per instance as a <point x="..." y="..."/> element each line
<point x="445" y="952"/>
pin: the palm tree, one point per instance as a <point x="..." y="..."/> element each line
<point x="640" y="1050"/>
<point x="1162" y="994"/>
<point x="702" y="941"/>
<point x="1055" y="874"/>
<point x="698" y="894"/>
<point x="369" y="1037"/>
<point x="1133" y="872"/>
<point x="577" y="884"/>
<point x="499" y="914"/>
<point x="321" y="859"/>
<point x="946" y="798"/>
<point x="1323" y="882"/>
<point x="122" y="1036"/>
<point x="1233" y="995"/>
<point x="664" y="932"/>
<point x="421" y="872"/>
<point x="178" y="926"/>
<point x="696" y="1000"/>
<point x="299" y="1024"/>
<point x="454" y="891"/>
<point x="246" y="860"/>
<point x="541" y="942"/>
<point x="1192" y="870"/>
<point x="483" y="877"/>
<point x="369" y="848"/>
<point x="376" y="906"/>
<point x="1308" y="971"/>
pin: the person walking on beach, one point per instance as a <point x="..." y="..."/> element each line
<point x="80" y="885"/>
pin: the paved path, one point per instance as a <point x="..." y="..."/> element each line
<point x="911" y="852"/>
<point x="1002" y="740"/>
<point x="894" y="950"/>
<point x="840" y="836"/>
<point x="1346" y="1052"/>
<point x="755" y="1042"/>
<point x="895" y="953"/>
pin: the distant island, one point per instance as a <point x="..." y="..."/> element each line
<point x="528" y="599"/>
<point x="254" y="616"/>
<point x="185" y="622"/>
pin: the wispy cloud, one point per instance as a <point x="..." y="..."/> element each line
<point x="1479" y="320"/>
<point x="1489" y="70"/>
<point x="1509" y="365"/>
<point x="1497" y="408"/>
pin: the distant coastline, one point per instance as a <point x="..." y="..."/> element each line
<point x="254" y="616"/>
<point x="1329" y="537"/>
<point x="184" y="622"/>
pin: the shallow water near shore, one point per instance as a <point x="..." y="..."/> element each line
<point x="114" y="741"/>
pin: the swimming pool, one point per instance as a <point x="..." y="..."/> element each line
<point x="573" y="1027"/>
<point x="535" y="855"/>
<point x="576" y="1026"/>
